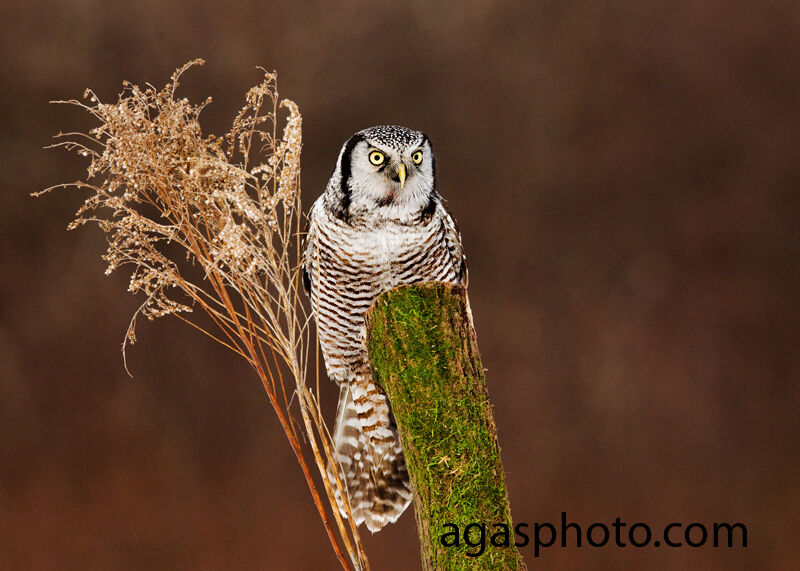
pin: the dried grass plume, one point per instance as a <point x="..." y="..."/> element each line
<point x="209" y="228"/>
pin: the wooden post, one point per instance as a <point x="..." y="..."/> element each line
<point x="424" y="354"/>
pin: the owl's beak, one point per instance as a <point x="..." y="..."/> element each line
<point x="401" y="173"/>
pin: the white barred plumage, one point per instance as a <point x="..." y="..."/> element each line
<point x="380" y="223"/>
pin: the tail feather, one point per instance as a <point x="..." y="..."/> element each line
<point x="376" y="477"/>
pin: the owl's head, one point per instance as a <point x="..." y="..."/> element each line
<point x="388" y="168"/>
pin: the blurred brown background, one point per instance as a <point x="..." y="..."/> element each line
<point x="626" y="177"/>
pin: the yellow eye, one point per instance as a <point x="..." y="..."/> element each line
<point x="417" y="157"/>
<point x="376" y="158"/>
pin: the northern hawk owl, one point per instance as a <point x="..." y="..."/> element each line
<point x="380" y="223"/>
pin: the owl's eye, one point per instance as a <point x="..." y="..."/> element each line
<point x="417" y="157"/>
<point x="376" y="158"/>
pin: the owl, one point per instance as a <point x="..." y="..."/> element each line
<point x="379" y="224"/>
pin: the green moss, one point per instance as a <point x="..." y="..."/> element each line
<point x="424" y="355"/>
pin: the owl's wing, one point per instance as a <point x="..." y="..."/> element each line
<point x="453" y="237"/>
<point x="308" y="253"/>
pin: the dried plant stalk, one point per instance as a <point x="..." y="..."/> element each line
<point x="213" y="223"/>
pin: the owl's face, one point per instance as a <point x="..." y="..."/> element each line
<point x="387" y="168"/>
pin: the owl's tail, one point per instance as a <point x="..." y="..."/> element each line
<point x="375" y="476"/>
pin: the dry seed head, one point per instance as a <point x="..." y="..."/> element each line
<point x="161" y="181"/>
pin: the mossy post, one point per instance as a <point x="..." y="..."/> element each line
<point x="424" y="354"/>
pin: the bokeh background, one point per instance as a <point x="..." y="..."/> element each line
<point x="627" y="180"/>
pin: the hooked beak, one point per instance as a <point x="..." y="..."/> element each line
<point x="401" y="173"/>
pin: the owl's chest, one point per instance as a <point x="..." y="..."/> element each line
<point x="385" y="254"/>
<point x="387" y="245"/>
